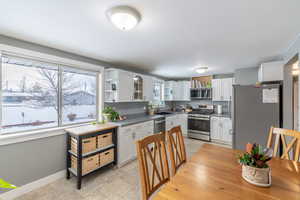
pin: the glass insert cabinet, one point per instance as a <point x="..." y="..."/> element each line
<point x="138" y="87"/>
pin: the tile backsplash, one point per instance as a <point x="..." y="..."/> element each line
<point x="225" y="105"/>
<point x="128" y="108"/>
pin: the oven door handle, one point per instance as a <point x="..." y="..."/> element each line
<point x="197" y="118"/>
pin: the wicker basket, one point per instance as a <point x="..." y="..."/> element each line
<point x="257" y="176"/>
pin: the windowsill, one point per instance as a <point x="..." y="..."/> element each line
<point x="13" y="138"/>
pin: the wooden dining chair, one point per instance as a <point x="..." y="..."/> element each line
<point x="176" y="148"/>
<point x="278" y="134"/>
<point x="153" y="163"/>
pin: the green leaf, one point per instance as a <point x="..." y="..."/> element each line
<point x="6" y="185"/>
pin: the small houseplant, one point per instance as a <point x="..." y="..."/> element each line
<point x="255" y="169"/>
<point x="5" y="185"/>
<point x="151" y="109"/>
<point x="110" y="114"/>
<point x="71" y="116"/>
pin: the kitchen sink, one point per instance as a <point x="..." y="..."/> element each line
<point x="164" y="113"/>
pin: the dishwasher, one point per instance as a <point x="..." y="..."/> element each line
<point x="160" y="125"/>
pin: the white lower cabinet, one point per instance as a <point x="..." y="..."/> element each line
<point x="183" y="122"/>
<point x="177" y="120"/>
<point x="170" y="122"/>
<point x="127" y="137"/>
<point x="221" y="130"/>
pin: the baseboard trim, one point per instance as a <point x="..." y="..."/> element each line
<point x="12" y="194"/>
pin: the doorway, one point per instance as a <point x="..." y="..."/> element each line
<point x="291" y="94"/>
<point x="296" y="102"/>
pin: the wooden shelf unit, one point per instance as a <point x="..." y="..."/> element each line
<point x="84" y="132"/>
<point x="204" y="80"/>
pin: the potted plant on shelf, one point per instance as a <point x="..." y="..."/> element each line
<point x="255" y="169"/>
<point x="110" y="114"/>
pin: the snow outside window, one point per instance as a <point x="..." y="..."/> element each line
<point x="38" y="95"/>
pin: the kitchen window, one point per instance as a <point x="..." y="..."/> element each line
<point x="37" y="95"/>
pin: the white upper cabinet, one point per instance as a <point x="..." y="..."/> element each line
<point x="118" y="86"/>
<point x="148" y="87"/>
<point x="271" y="71"/>
<point x="185" y="91"/>
<point x="216" y="89"/>
<point x="124" y="86"/>
<point x="177" y="90"/>
<point x="169" y="93"/>
<point x="222" y="89"/>
<point x="227" y="89"/>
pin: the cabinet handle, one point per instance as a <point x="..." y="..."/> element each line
<point x="106" y="153"/>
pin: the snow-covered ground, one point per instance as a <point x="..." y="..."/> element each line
<point x="22" y="114"/>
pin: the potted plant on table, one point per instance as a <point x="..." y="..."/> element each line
<point x="110" y="114"/>
<point x="255" y="169"/>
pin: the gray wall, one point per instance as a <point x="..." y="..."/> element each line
<point x="246" y="76"/>
<point x="28" y="161"/>
<point x="217" y="76"/>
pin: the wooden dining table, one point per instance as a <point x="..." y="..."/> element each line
<point x="214" y="173"/>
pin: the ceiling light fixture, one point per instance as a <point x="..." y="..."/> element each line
<point x="296" y="65"/>
<point x="295" y="69"/>
<point x="201" y="70"/>
<point x="124" y="17"/>
<point x="295" y="72"/>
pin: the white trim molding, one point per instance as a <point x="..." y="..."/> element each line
<point x="12" y="194"/>
<point x="12" y="138"/>
<point x="51" y="58"/>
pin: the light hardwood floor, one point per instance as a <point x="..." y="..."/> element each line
<point x="119" y="183"/>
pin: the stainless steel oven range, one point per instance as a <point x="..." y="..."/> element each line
<point x="199" y="123"/>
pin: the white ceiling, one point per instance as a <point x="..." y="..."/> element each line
<point x="172" y="38"/>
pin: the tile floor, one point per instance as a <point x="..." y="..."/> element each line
<point x="118" y="183"/>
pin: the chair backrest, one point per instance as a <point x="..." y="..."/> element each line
<point x="153" y="163"/>
<point x="278" y="134"/>
<point x="176" y="148"/>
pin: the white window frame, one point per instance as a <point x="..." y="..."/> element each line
<point x="22" y="136"/>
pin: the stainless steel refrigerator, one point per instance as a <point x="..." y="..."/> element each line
<point x="255" y="110"/>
